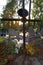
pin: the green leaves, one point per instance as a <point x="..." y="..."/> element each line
<point x="38" y="11"/>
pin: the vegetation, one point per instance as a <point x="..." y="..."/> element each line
<point x="1" y="39"/>
<point x="38" y="11"/>
<point x="8" y="12"/>
<point x="34" y="47"/>
<point x="9" y="49"/>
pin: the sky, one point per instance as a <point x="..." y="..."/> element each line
<point x="2" y="4"/>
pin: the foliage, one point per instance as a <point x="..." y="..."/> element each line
<point x="7" y="49"/>
<point x="3" y="55"/>
<point x="21" y="47"/>
<point x="30" y="50"/>
<point x="3" y="62"/>
<point x="8" y="12"/>
<point x="21" y="27"/>
<point x="34" y="47"/>
<point x="10" y="48"/>
<point x="16" y="25"/>
<point x="38" y="11"/>
<point x="1" y="39"/>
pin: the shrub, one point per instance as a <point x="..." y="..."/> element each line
<point x="34" y="47"/>
<point x="1" y="39"/>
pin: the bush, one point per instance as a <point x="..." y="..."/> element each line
<point x="34" y="47"/>
<point x="30" y="50"/>
<point x="6" y="50"/>
<point x="1" y="39"/>
<point x="10" y="48"/>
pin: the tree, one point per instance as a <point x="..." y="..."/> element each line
<point x="9" y="9"/>
<point x="9" y="12"/>
<point x="38" y="11"/>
